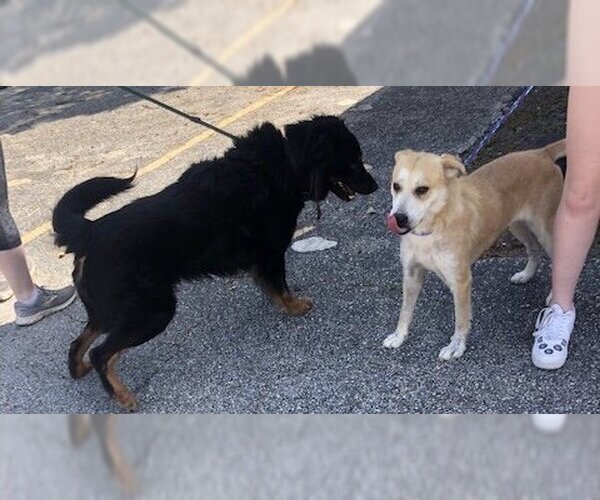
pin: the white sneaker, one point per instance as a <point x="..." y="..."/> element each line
<point x="549" y="423"/>
<point x="552" y="333"/>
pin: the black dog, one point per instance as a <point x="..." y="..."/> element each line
<point x="230" y="214"/>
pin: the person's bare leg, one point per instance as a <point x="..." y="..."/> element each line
<point x="575" y="227"/>
<point x="582" y="43"/>
<point x="13" y="265"/>
<point x="579" y="211"/>
<point x="577" y="217"/>
<point x="576" y="220"/>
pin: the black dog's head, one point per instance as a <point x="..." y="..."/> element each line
<point x="328" y="157"/>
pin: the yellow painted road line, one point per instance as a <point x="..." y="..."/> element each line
<point x="245" y="38"/>
<point x="209" y="133"/>
<point x="36" y="233"/>
<point x="18" y="182"/>
<point x="167" y="157"/>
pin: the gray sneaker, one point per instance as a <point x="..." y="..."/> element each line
<point x="5" y="291"/>
<point x="48" y="302"/>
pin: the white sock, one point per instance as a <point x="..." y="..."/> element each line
<point x="564" y="311"/>
<point x="31" y="300"/>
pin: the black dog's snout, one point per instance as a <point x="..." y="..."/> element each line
<point x="362" y="182"/>
<point x="401" y="220"/>
<point x="372" y="186"/>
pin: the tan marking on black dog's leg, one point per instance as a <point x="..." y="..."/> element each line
<point x="121" y="393"/>
<point x="105" y="427"/>
<point x="77" y="366"/>
<point x="294" y="306"/>
<point x="280" y="295"/>
<point x="79" y="428"/>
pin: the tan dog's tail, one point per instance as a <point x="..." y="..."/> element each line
<point x="557" y="150"/>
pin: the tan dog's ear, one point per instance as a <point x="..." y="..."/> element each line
<point x="453" y="167"/>
<point x="404" y="152"/>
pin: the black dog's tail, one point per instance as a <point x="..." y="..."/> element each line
<point x="70" y="225"/>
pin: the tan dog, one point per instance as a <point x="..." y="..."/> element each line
<point x="447" y="219"/>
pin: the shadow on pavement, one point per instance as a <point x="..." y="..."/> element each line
<point x="35" y="105"/>
<point x="32" y="28"/>
<point x="322" y="65"/>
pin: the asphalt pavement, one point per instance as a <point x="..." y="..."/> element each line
<point x="228" y="350"/>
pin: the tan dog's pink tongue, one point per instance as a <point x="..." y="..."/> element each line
<point x="392" y="224"/>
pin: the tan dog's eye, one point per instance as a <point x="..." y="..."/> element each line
<point x="397" y="187"/>
<point x="422" y="191"/>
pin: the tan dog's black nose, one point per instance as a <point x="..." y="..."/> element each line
<point x="401" y="220"/>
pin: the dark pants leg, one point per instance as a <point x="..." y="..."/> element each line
<point x="9" y="234"/>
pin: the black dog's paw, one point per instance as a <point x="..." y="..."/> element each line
<point x="298" y="306"/>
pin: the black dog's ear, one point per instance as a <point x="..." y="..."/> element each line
<point x="299" y="136"/>
<point x="308" y="145"/>
<point x="311" y="149"/>
<point x="296" y="135"/>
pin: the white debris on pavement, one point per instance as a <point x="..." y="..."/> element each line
<point x="313" y="244"/>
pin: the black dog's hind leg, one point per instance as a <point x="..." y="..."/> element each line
<point x="104" y="427"/>
<point x="270" y="276"/>
<point x="104" y="358"/>
<point x="80" y="427"/>
<point x="137" y="331"/>
<point x="77" y="366"/>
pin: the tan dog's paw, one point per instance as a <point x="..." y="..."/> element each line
<point x="394" y="341"/>
<point x="521" y="278"/>
<point x="454" y="350"/>
<point x="297" y="306"/>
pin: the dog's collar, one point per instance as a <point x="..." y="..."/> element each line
<point x="417" y="234"/>
<point x="422" y="235"/>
